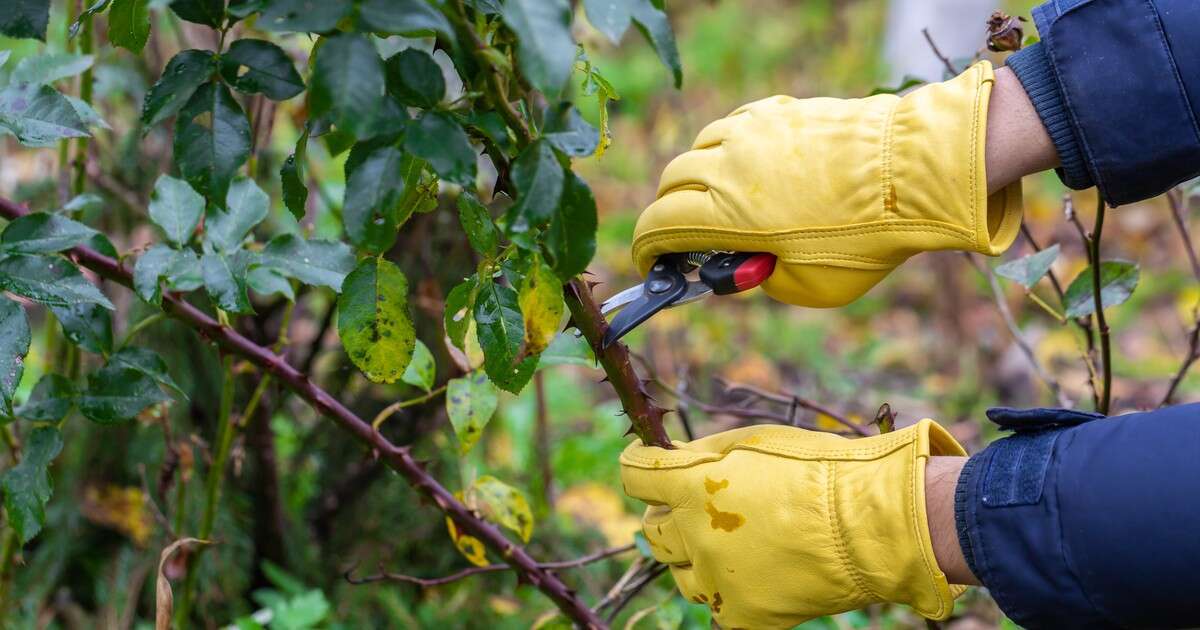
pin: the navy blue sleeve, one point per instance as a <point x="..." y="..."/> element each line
<point x="1078" y="521"/>
<point x="1117" y="85"/>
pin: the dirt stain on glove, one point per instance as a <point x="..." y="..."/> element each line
<point x="727" y="521"/>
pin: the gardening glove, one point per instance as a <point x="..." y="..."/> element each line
<point x="841" y="191"/>
<point x="773" y="525"/>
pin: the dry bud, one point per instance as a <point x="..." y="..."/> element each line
<point x="1005" y="32"/>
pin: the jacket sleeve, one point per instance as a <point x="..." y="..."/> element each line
<point x="1117" y="85"/>
<point x="1078" y="521"/>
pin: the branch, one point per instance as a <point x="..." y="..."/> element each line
<point x="795" y="401"/>
<point x="398" y="458"/>
<point x="1178" y="212"/>
<point x="1101" y="322"/>
<point x="932" y="46"/>
<point x="646" y="416"/>
<point x="491" y="568"/>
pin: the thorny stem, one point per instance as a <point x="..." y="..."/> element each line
<point x="1101" y="322"/>
<point x="398" y="458"/>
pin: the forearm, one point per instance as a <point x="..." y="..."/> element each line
<point x="1017" y="142"/>
<point x="941" y="478"/>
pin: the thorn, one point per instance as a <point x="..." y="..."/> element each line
<point x="630" y="431"/>
<point x="571" y="324"/>
<point x="592" y="284"/>
<point x="622" y="413"/>
<point x="587" y="272"/>
<point x="603" y="380"/>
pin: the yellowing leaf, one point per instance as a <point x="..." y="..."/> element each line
<point x="503" y="504"/>
<point x="470" y="403"/>
<point x="122" y="508"/>
<point x="373" y="320"/>
<point x="541" y="302"/>
<point x="468" y="546"/>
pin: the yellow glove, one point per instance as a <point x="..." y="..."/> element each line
<point x="773" y="525"/>
<point x="841" y="191"/>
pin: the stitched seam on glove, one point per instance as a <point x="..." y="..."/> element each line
<point x="886" y="192"/>
<point x="886" y="225"/>
<point x="835" y="526"/>
<point x="981" y="235"/>
<point x="931" y="569"/>
<point x="679" y="458"/>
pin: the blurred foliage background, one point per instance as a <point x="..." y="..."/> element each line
<point x="929" y="341"/>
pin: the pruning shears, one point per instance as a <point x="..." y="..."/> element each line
<point x="668" y="285"/>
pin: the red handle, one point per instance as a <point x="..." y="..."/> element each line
<point x="754" y="271"/>
<point x="733" y="273"/>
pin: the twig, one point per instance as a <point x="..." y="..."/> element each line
<point x="795" y="401"/>
<point x="1084" y="323"/>
<point x="541" y="440"/>
<point x="656" y="569"/>
<point x="1101" y="322"/>
<point x="398" y="458"/>
<point x="1175" y="198"/>
<point x="1178" y="213"/>
<point x="491" y="568"/>
<point x="1192" y="354"/>
<point x="945" y="61"/>
<point x="401" y="404"/>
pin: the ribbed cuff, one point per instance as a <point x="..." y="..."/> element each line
<point x="963" y="511"/>
<point x="1032" y="67"/>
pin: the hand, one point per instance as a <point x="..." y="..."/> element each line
<point x="841" y="191"/>
<point x="771" y="525"/>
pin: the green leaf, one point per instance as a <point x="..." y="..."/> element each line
<point x="545" y="48"/>
<point x="184" y="74"/>
<point x="176" y="208"/>
<point x="268" y="70"/>
<point x="312" y="16"/>
<point x="90" y="12"/>
<point x="48" y="68"/>
<point x="457" y="316"/>
<point x="27" y="486"/>
<point x="500" y="328"/>
<point x="1118" y="279"/>
<point x="316" y="262"/>
<point x="38" y="115"/>
<point x="656" y="28"/>
<point x="206" y="12"/>
<point x="567" y="349"/>
<point x="440" y="140"/>
<point x="15" y="338"/>
<point x="1027" y="270"/>
<point x="492" y="125"/>
<point x="212" y="140"/>
<point x="403" y="17"/>
<point x="571" y="239"/>
<point x="353" y="98"/>
<point x="88" y="326"/>
<point x="470" y="403"/>
<point x="43" y="233"/>
<point x="414" y="78"/>
<point x="373" y="320"/>
<point x="49" y="280"/>
<point x="246" y="206"/>
<point x="538" y="176"/>
<point x="25" y="19"/>
<point x="477" y="223"/>
<point x="50" y="401"/>
<point x="84" y="203"/>
<point x="129" y="24"/>
<point x="610" y="17"/>
<point x="503" y="504"/>
<point x="291" y="178"/>
<point x="906" y="82"/>
<point x="421" y="370"/>
<point x="541" y="301"/>
<point x="374" y="189"/>
<point x="89" y="116"/>
<point x="225" y="289"/>
<point x="268" y="281"/>
<point x="116" y="394"/>
<point x="147" y="362"/>
<point x="568" y="131"/>
<point x="180" y="267"/>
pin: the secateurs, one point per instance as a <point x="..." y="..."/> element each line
<point x="667" y="285"/>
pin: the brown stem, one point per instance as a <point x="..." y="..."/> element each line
<point x="1192" y="354"/>
<point x="647" y="417"/>
<point x="541" y="442"/>
<point x="796" y="401"/>
<point x="1101" y="322"/>
<point x="491" y="568"/>
<point x="932" y="46"/>
<point x="1175" y="197"/>
<point x="396" y="457"/>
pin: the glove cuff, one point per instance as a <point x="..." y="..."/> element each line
<point x="885" y="527"/>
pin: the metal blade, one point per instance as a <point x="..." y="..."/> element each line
<point x="618" y="301"/>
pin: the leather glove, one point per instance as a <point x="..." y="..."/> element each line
<point x="773" y="525"/>
<point x="841" y="191"/>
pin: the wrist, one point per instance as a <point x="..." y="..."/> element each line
<point x="941" y="479"/>
<point x="1017" y="142"/>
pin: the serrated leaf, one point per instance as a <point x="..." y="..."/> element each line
<point x="227" y="291"/>
<point x="538" y="177"/>
<point x="567" y="349"/>
<point x="457" y="316"/>
<point x="374" y="189"/>
<point x="477" y="223"/>
<point x="43" y="233"/>
<point x="181" y="268"/>
<point x="317" y="262"/>
<point x="545" y="48"/>
<point x="1118" y="279"/>
<point x="84" y="203"/>
<point x="246" y="205"/>
<point x="50" y="401"/>
<point x="38" y="115"/>
<point x="116" y="394"/>
<point x="421" y="370"/>
<point x="571" y="239"/>
<point x="500" y="328"/>
<point x="27" y="486"/>
<point x="206" y="12"/>
<point x="414" y="78"/>
<point x="268" y="70"/>
<point x="564" y="128"/>
<point x="291" y="178"/>
<point x="373" y="320"/>
<point x="212" y="140"/>
<point x="49" y="67"/>
<point x="313" y="16"/>
<point x="184" y="74"/>
<point x="470" y="403"/>
<point x="147" y="362"/>
<point x="353" y="98"/>
<point x="1028" y="270"/>
<point x="610" y="17"/>
<point x="25" y="19"/>
<point x="90" y="12"/>
<point x="15" y="337"/>
<point x="438" y="139"/>
<point x="542" y="306"/>
<point x="268" y="281"/>
<point x="503" y="504"/>
<point x="403" y="17"/>
<point x="652" y="21"/>
<point x="48" y="280"/>
<point x="176" y="208"/>
<point x="129" y="24"/>
<point x="88" y="326"/>
<point x="89" y="116"/>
